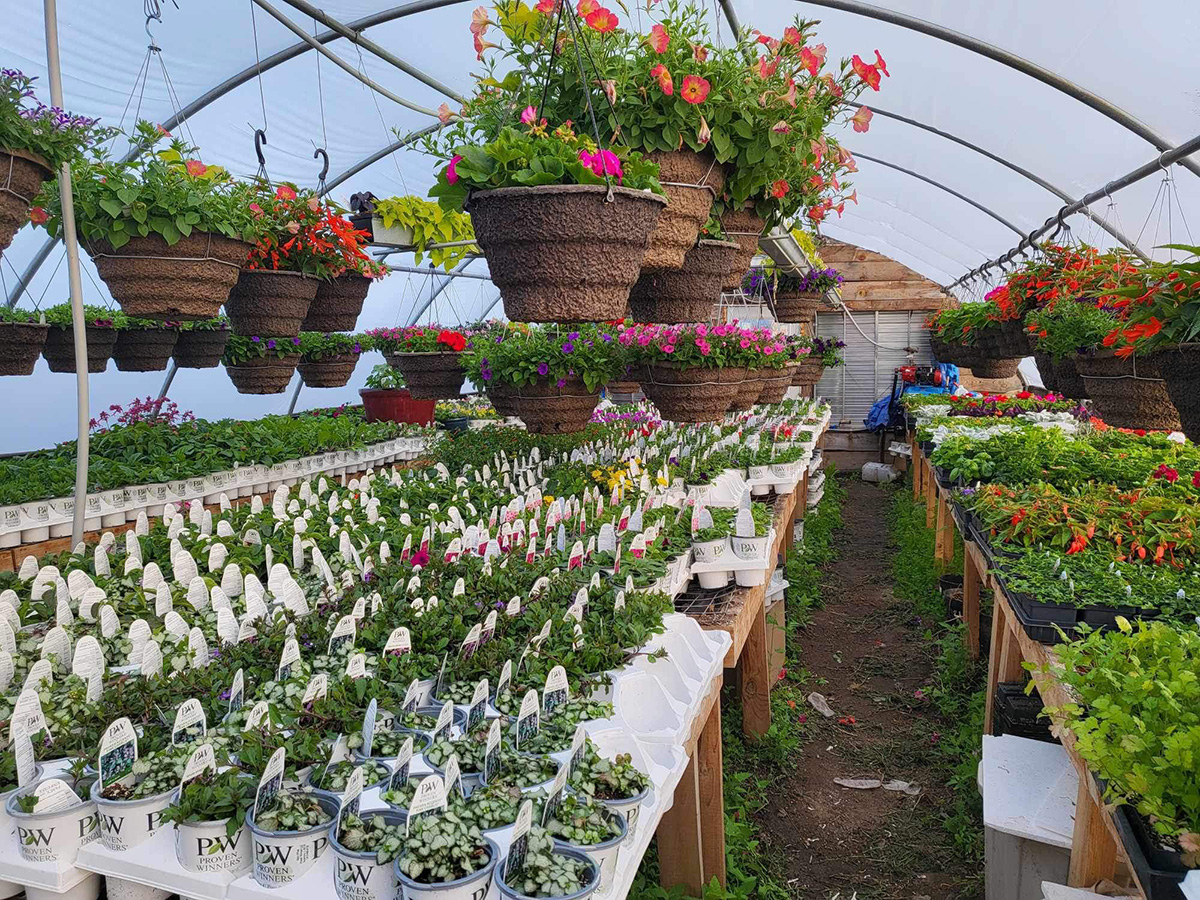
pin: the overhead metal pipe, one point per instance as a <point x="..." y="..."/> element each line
<point x="1013" y="61"/>
<point x="417" y="270"/>
<point x="447" y="279"/>
<point x="166" y="385"/>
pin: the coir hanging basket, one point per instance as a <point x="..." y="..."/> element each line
<point x="144" y="349"/>
<point x="692" y="395"/>
<point x="1068" y="381"/>
<point x="337" y="304"/>
<point x="20" y="346"/>
<point x="263" y="375"/>
<point x="799" y="306"/>
<point x="430" y="375"/>
<point x="1128" y="392"/>
<point x="200" y="348"/>
<point x="775" y="386"/>
<point x="21" y="177"/>
<point x="687" y="294"/>
<point x="59" y="350"/>
<point x="692" y="181"/>
<point x="328" y="373"/>
<point x="747" y="393"/>
<point x="744" y="226"/>
<point x="547" y="407"/>
<point x="808" y="371"/>
<point x="264" y="302"/>
<point x="561" y="253"/>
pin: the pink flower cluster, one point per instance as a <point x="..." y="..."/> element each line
<point x="602" y="161"/>
<point x="712" y="346"/>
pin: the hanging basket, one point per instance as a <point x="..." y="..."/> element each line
<point x="808" y="371"/>
<point x="993" y="368"/>
<point x="21" y="177"/>
<point x="687" y="294"/>
<point x="144" y="349"/>
<point x="60" y="348"/>
<point x="546" y="408"/>
<point x="21" y="344"/>
<point x="270" y="303"/>
<point x="1180" y="369"/>
<point x="1068" y="380"/>
<point x="692" y="181"/>
<point x="197" y="349"/>
<point x="692" y="395"/>
<point x="430" y="375"/>
<point x="1128" y="392"/>
<point x="561" y="253"/>
<point x="328" y="373"/>
<point x="942" y="351"/>
<point x="264" y="375"/>
<point x="988" y="345"/>
<point x="1045" y="367"/>
<point x="775" y="387"/>
<point x="747" y="393"/>
<point x="1014" y="339"/>
<point x="337" y="304"/>
<point x="799" y="306"/>
<point x="181" y="282"/>
<point x="744" y="226"/>
<point x="623" y="387"/>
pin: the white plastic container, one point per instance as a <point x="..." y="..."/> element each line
<point x="124" y="824"/>
<point x="882" y="473"/>
<point x="356" y="875"/>
<point x="604" y="855"/>
<point x="587" y="890"/>
<point x="206" y="848"/>
<point x="52" y="838"/>
<point x="476" y="885"/>
<point x="280" y="857"/>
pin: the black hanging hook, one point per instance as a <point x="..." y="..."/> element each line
<point x="324" y="157"/>
<point x="260" y="138"/>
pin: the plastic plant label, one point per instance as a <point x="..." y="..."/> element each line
<point x="429" y="799"/>
<point x="6" y="670"/>
<point x="554" y="799"/>
<point x="256" y="608"/>
<point x="197" y="594"/>
<point x="454" y="551"/>
<point x="368" y="727"/>
<point x="152" y="661"/>
<point x="109" y="623"/>
<point x="88" y="602"/>
<point x="198" y="648"/>
<point x="58" y="644"/>
<point x="351" y="797"/>
<point x="528" y="719"/>
<point x="556" y="692"/>
<point x="360" y="609"/>
<point x="227" y="626"/>
<point x="453" y="777"/>
<point x="356" y="667"/>
<point x="289" y="657"/>
<point x="219" y="600"/>
<point x="257" y="715"/>
<point x="343" y="635"/>
<point x="444" y="719"/>
<point x="27" y="715"/>
<point x="118" y="752"/>
<point x="470" y="643"/>
<point x="399" y="776"/>
<point x="139" y="634"/>
<point x="175" y="624"/>
<point x="638" y="546"/>
<point x="237" y="692"/>
<point x="411" y="696"/>
<point x="518" y="847"/>
<point x="54" y="795"/>
<point x="478" y="708"/>
<point x="23" y="754"/>
<point x="88" y="657"/>
<point x="190" y="723"/>
<point x="8" y="639"/>
<point x="162" y="600"/>
<point x="203" y="759"/>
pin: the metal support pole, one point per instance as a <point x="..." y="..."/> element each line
<point x="166" y="385"/>
<point x="82" y="402"/>
<point x="295" y="396"/>
<point x="1022" y="65"/>
<point x="456" y="273"/>
<point x="459" y="272"/>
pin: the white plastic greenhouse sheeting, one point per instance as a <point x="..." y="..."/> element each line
<point x="1138" y="57"/>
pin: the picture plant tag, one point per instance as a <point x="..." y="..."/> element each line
<point x="429" y="799"/>
<point x="152" y="661"/>
<point x="411" y="696"/>
<point x="27" y="715"/>
<point x="237" y="692"/>
<point x="556" y="692"/>
<point x="316" y="689"/>
<point x="23" y="754"/>
<point x="246" y="631"/>
<point x="398" y="643"/>
<point x="528" y="719"/>
<point x="343" y="635"/>
<point x="203" y="759"/>
<point x="190" y="723"/>
<point x="478" y="709"/>
<point x="368" y="728"/>
<point x="578" y="748"/>
<point x="518" y="847"/>
<point x="357" y="666"/>
<point x="270" y="782"/>
<point x="453" y="777"/>
<point x="340" y="751"/>
<point x="444" y="720"/>
<point x="491" y="756"/>
<point x="352" y="795"/>
<point x="513" y="608"/>
<point x="290" y="656"/>
<point x="470" y="643"/>
<point x="256" y="716"/>
<point x="454" y="550"/>
<point x="489" y="628"/>
<point x="399" y="776"/>
<point x="554" y="800"/>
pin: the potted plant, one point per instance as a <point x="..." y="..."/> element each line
<point x="341" y="294"/>
<point x="592" y="829"/>
<point x="100" y="326"/>
<point x="365" y="844"/>
<point x="328" y="360"/>
<point x="260" y="365"/>
<point x="690" y="292"/>
<point x="144" y="345"/>
<point x="616" y="783"/>
<point x="549" y="376"/>
<point x="290" y="834"/>
<point x="444" y="857"/>
<point x="385" y="399"/>
<point x="563" y="244"/>
<point x="131" y="808"/>
<point x="550" y="871"/>
<point x="796" y="297"/>
<point x="209" y="813"/>
<point x="415" y="223"/>
<point x="201" y="343"/>
<point x="1062" y="332"/>
<point x="428" y="356"/>
<point x="35" y="141"/>
<point x="22" y="337"/>
<point x="333" y="777"/>
<point x="53" y="835"/>
<point x="814" y="355"/>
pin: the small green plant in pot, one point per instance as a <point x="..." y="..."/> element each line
<point x="22" y="337"/>
<point x="201" y="343"/>
<point x="549" y="871"/>
<point x="290" y="834"/>
<point x="445" y="857"/>
<point x="328" y="360"/>
<point x="101" y="327"/>
<point x="261" y="365"/>
<point x="414" y="222"/>
<point x="592" y="828"/>
<point x="428" y="356"/>
<point x="209" y="814"/>
<point x="616" y="783"/>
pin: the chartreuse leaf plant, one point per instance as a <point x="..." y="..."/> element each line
<point x="430" y="224"/>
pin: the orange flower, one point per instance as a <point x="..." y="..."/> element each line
<point x="813" y="59"/>
<point x="283" y="192"/>
<point x="699" y="52"/>
<point x="664" y="79"/>
<point x="791" y="36"/>
<point x="766" y="69"/>
<point x="694" y="89"/>
<point x="881" y="65"/>
<point x="480" y="20"/>
<point x="601" y="20"/>
<point x="38" y="216"/>
<point x="867" y="72"/>
<point x="195" y="168"/>
<point x="587" y="7"/>
<point x="862" y="119"/>
<point x="779" y="189"/>
<point x="658" y="39"/>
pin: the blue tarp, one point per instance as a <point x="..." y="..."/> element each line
<point x="886" y="410"/>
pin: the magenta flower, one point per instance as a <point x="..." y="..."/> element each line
<point x="452" y="169"/>
<point x="529" y="115"/>
<point x="543" y="369"/>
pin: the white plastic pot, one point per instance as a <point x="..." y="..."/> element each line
<point x="604" y="855"/>
<point x="475" y="886"/>
<point x="280" y="857"/>
<point x="356" y="875"/>
<point x="52" y="838"/>
<point x="204" y="847"/>
<point x="710" y="551"/>
<point x="750" y="547"/>
<point x="11" y="888"/>
<point x="587" y="890"/>
<point x="629" y="809"/>
<point x="124" y="824"/>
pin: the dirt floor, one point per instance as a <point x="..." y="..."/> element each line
<point x="872" y="658"/>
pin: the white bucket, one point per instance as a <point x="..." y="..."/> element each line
<point x="750" y="547"/>
<point x="604" y="855"/>
<point x="204" y="847"/>
<point x="586" y="891"/>
<point x="711" y="580"/>
<point x="750" y="577"/>
<point x="357" y="876"/>
<point x="124" y="824"/>
<point x="280" y="857"/>
<point x="7" y="826"/>
<point x="630" y="808"/>
<point x="52" y="838"/>
<point x="123" y="889"/>
<point x="475" y="886"/>
<point x="710" y="551"/>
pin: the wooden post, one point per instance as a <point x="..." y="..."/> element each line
<point x="756" y="678"/>
<point x="712" y="800"/>
<point x="931" y="493"/>
<point x="1004" y="662"/>
<point x="680" y="843"/>
<point x="918" y="468"/>
<point x="970" y="608"/>
<point x="1093" y="852"/>
<point x="944" y="543"/>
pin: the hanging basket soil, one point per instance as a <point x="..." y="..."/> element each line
<point x="546" y="408"/>
<point x="799" y="306"/>
<point x="144" y="349"/>
<point x="1068" y="380"/>
<point x="60" y="348"/>
<point x="808" y="371"/>
<point x="265" y="302"/>
<point x="991" y="367"/>
<point x="197" y="349"/>
<point x="692" y="395"/>
<point x="1045" y="367"/>
<point x="337" y="304"/>
<point x="264" y="375"/>
<point x="21" y="177"/>
<point x="1128" y="392"/>
<point x="688" y="294"/>
<point x="561" y="253"/>
<point x="692" y="181"/>
<point x="430" y="375"/>
<point x="21" y="344"/>
<point x="775" y="388"/>
<point x="744" y="226"/>
<point x="747" y="393"/>
<point x="1180" y="369"/>
<point x="174" y="283"/>
<point x="328" y="373"/>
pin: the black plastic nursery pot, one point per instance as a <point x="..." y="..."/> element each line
<point x="1159" y="871"/>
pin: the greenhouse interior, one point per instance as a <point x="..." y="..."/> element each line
<point x="667" y="450"/>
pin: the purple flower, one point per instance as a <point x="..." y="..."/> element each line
<point x="296" y="342"/>
<point x="568" y="347"/>
<point x="573" y="336"/>
<point x="561" y="382"/>
<point x="607" y="338"/>
<point x="271" y="343"/>
<point x="256" y="339"/>
<point x="543" y="369"/>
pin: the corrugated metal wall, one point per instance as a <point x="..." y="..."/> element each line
<point x="852" y="389"/>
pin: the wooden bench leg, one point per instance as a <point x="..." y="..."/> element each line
<point x="680" y="855"/>
<point x="712" y="797"/>
<point x="756" y="679"/>
<point x="931" y="492"/>
<point x="971" y="586"/>
<point x="1093" y="852"/>
<point x="1004" y="662"/>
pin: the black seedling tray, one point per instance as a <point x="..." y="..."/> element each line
<point x="1159" y="871"/>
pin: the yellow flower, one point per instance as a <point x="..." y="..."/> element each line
<point x="547" y="500"/>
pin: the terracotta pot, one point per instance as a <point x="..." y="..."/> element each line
<point x="182" y="282"/>
<point x="1069" y="381"/>
<point x="1045" y="367"/>
<point x="270" y="303"/>
<point x="430" y="375"/>
<point x="263" y="375"/>
<point x="799" y="306"/>
<point x="328" y="373"/>
<point x="20" y="346"/>
<point x="60" y="348"/>
<point x="546" y="408"/>
<point x="337" y="304"/>
<point x="200" y="349"/>
<point x="1128" y="392"/>
<point x="808" y="371"/>
<point x="747" y="393"/>
<point x="560" y="253"/>
<point x="692" y="395"/>
<point x="991" y="367"/>
<point x="687" y="294"/>
<point x="144" y="349"/>
<point x="687" y="177"/>
<point x="744" y="226"/>
<point x="1180" y="369"/>
<point x="775" y="387"/>
<point x="396" y="406"/>
<point x="21" y="177"/>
